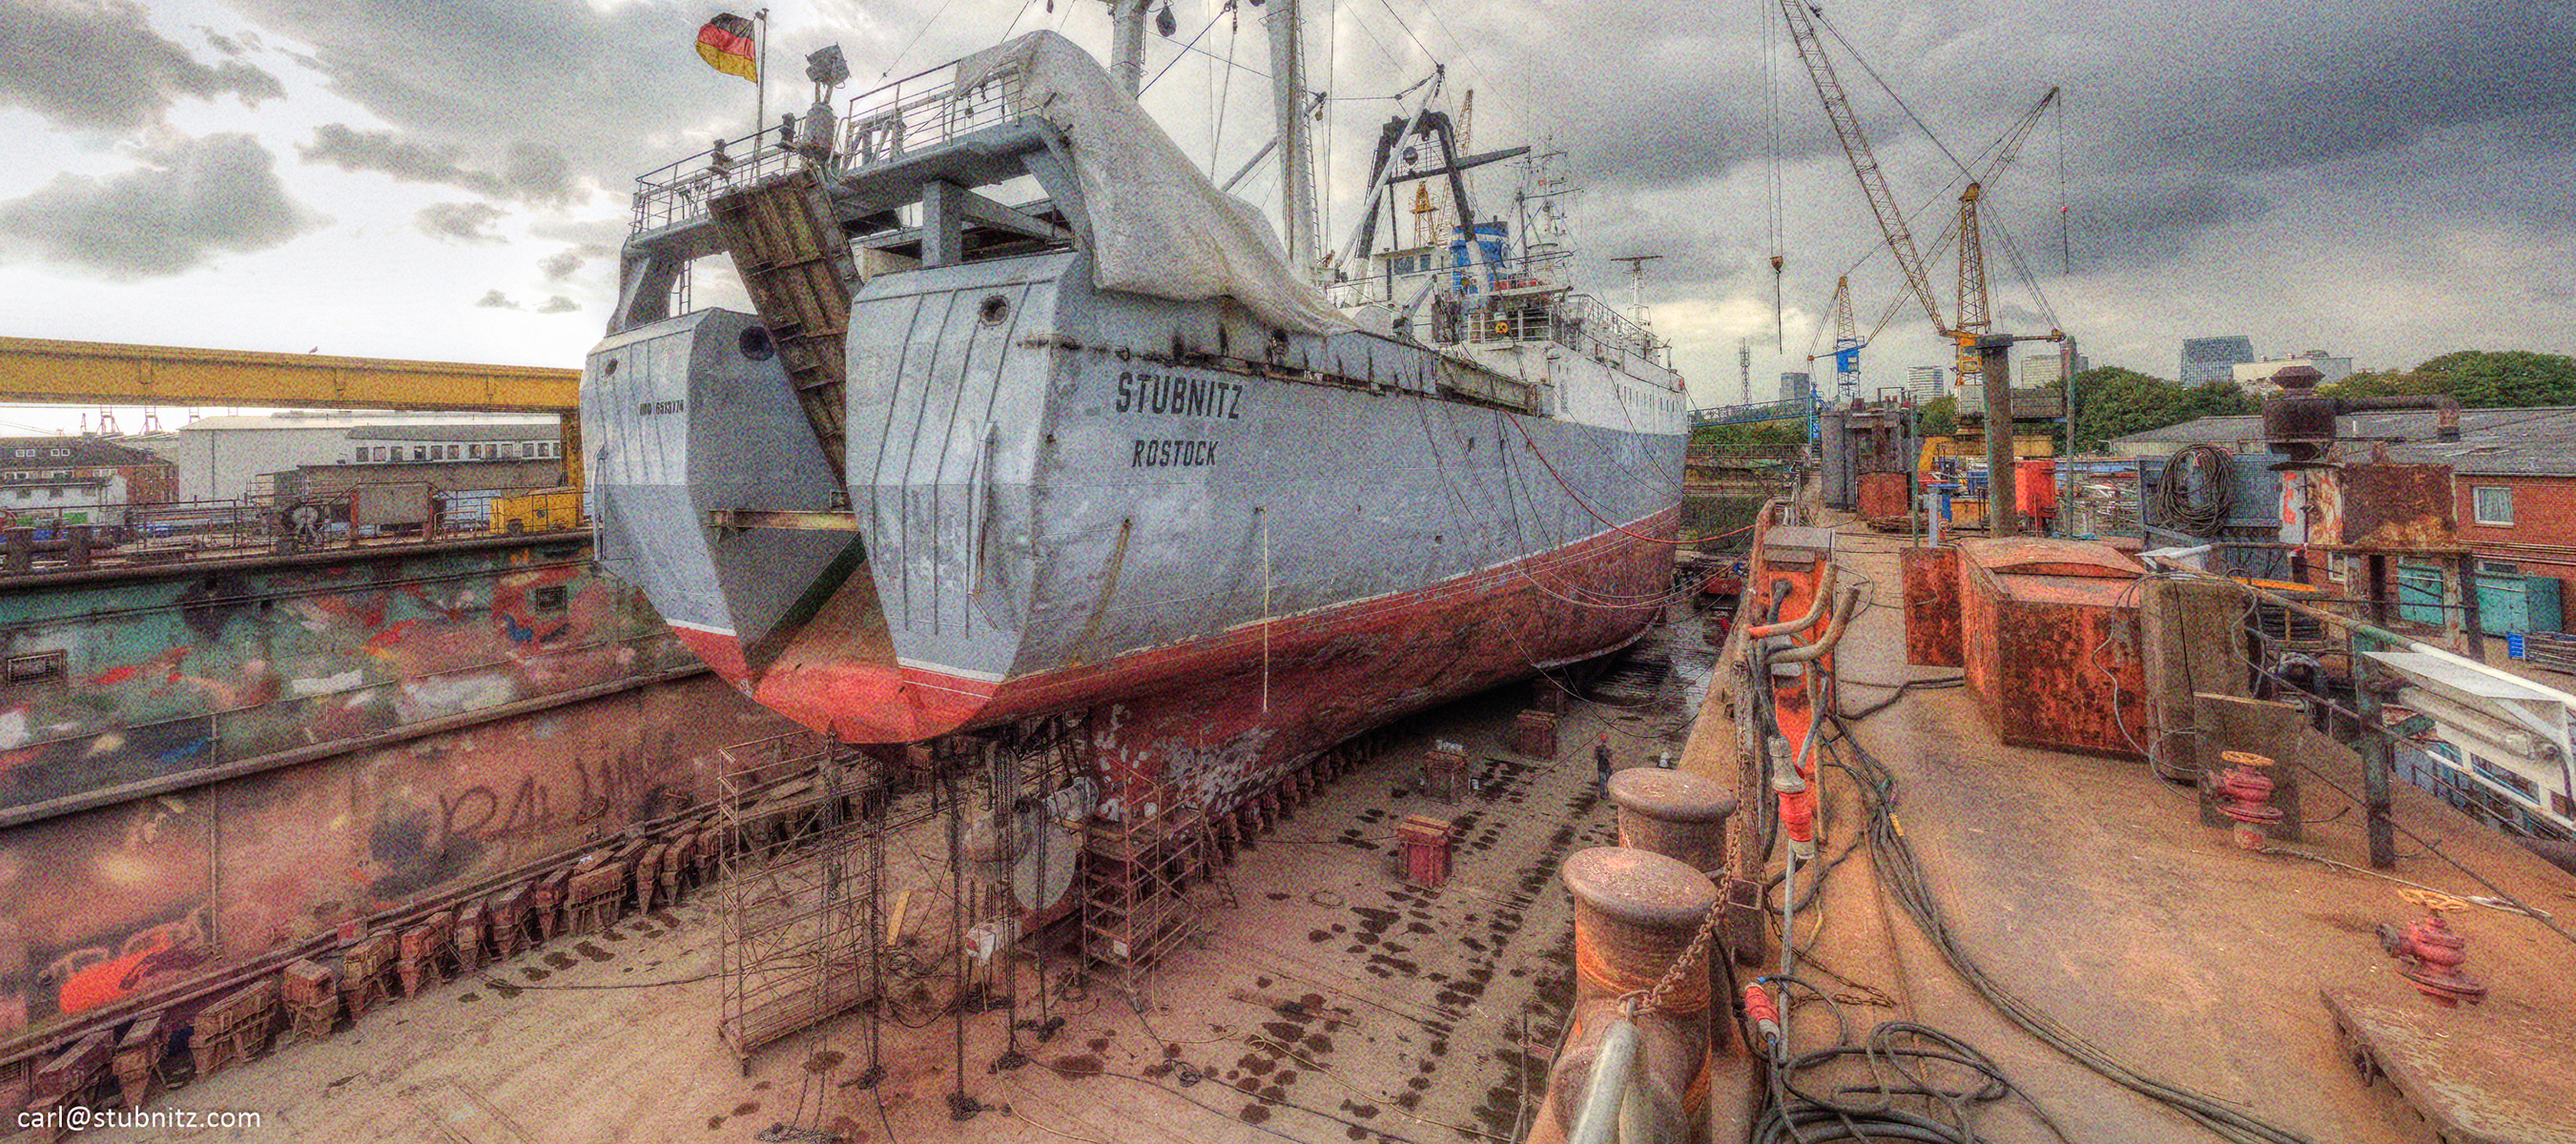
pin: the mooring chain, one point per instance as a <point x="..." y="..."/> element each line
<point x="1639" y="1003"/>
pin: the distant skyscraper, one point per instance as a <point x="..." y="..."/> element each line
<point x="1923" y="382"/>
<point x="2213" y="359"/>
<point x="2046" y="368"/>
<point x="1796" y="386"/>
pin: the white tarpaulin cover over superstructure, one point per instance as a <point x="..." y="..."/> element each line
<point x="1158" y="226"/>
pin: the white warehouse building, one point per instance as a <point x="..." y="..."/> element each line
<point x="224" y="458"/>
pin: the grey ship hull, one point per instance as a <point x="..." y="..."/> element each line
<point x="1230" y="547"/>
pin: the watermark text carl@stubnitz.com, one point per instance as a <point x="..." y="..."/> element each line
<point x="81" y="1118"/>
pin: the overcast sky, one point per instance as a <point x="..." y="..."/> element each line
<point x="2387" y="181"/>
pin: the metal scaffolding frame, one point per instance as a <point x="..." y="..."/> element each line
<point x="799" y="887"/>
<point x="1137" y="874"/>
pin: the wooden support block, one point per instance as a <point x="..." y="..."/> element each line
<point x="368" y="976"/>
<point x="74" y="1072"/>
<point x="471" y="944"/>
<point x="311" y="992"/>
<point x="546" y="903"/>
<point x="138" y="1059"/>
<point x="894" y="927"/>
<point x="235" y="1029"/>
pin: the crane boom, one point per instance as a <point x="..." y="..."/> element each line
<point x="1873" y="182"/>
<point x="2007" y="148"/>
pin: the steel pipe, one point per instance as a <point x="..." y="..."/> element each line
<point x="1846" y="605"/>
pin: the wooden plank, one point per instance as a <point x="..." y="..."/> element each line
<point x="894" y="928"/>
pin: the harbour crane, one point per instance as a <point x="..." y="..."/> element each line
<point x="1800" y="18"/>
<point x="1873" y="182"/>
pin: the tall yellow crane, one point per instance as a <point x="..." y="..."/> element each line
<point x="1966" y="229"/>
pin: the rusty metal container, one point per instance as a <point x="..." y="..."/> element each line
<point x="1424" y="844"/>
<point x="1679" y="816"/>
<point x="2380" y="507"/>
<point x="1886" y="495"/>
<point x="2050" y="643"/>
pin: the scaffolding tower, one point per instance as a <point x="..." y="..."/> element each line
<point x="1138" y="870"/>
<point x="799" y="887"/>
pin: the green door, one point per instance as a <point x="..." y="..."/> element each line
<point x="2419" y="594"/>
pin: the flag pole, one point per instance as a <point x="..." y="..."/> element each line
<point x="760" y="82"/>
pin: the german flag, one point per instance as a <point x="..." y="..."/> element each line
<point x="726" y="44"/>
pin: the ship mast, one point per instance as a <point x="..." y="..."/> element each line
<point x="1127" y="45"/>
<point x="1288" y="107"/>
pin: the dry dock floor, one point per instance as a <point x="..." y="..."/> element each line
<point x="2090" y="887"/>
<point x="1333" y="1003"/>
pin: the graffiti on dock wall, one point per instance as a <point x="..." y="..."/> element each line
<point x="135" y="679"/>
<point x="104" y="905"/>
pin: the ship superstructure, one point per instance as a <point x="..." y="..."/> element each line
<point x="1031" y="419"/>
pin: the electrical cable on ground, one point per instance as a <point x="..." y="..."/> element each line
<point x="1904" y="877"/>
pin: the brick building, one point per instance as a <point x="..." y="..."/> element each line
<point x="80" y="480"/>
<point x="2513" y="486"/>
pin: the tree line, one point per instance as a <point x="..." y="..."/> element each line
<point x="2114" y="402"/>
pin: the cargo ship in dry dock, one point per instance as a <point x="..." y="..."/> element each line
<point x="1109" y="450"/>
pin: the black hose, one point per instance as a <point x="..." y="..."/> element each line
<point x="1904" y="877"/>
<point x="1900" y="692"/>
<point x="1895" y="1053"/>
<point x="2198" y="490"/>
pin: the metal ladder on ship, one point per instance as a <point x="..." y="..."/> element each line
<point x="795" y="263"/>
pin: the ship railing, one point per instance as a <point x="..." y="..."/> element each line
<point x="1524" y="280"/>
<point x="677" y="192"/>
<point x="881" y="125"/>
<point x="924" y="110"/>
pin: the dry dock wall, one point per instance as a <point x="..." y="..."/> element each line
<point x="199" y="764"/>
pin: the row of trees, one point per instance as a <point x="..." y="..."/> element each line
<point x="2114" y="402"/>
<point x="2481" y="379"/>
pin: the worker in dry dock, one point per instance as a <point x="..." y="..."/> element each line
<point x="1601" y="761"/>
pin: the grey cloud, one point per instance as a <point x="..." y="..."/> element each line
<point x="2146" y="224"/>
<point x="194" y="199"/>
<point x="2217" y="98"/>
<point x="223" y="43"/>
<point x="539" y="174"/>
<point x="577" y="92"/>
<point x="495" y="300"/>
<point x="459" y="222"/>
<point x="558" y="305"/>
<point x="97" y="64"/>
<point x="530" y="173"/>
<point x="558" y="267"/>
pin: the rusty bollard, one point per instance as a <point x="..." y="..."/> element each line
<point x="1676" y="815"/>
<point x="1635" y="914"/>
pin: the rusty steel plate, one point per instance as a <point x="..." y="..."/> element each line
<point x="2034" y="556"/>
<point x="2499" y="1073"/>
<point x="1932" y="607"/>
